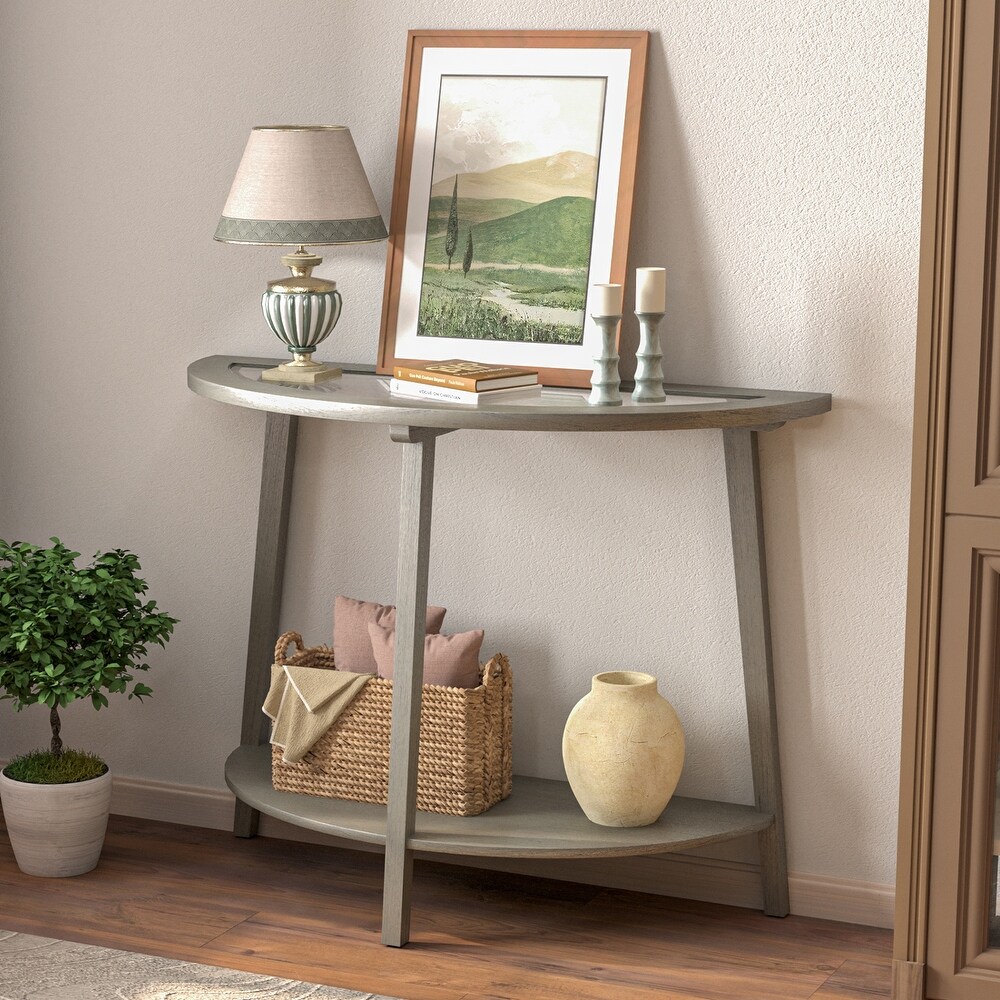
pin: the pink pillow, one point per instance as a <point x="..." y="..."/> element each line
<point x="352" y="647"/>
<point x="449" y="660"/>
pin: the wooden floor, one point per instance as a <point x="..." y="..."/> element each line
<point x="311" y="913"/>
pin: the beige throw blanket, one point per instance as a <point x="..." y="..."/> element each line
<point x="304" y="702"/>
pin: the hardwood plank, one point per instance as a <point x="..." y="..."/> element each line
<point x="712" y="920"/>
<point x="662" y="949"/>
<point x="857" y="981"/>
<point x="133" y="917"/>
<point x="311" y="913"/>
<point x="311" y="971"/>
<point x="545" y="966"/>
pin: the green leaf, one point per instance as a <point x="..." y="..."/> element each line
<point x="71" y="631"/>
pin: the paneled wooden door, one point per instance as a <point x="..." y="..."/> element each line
<point x="963" y="957"/>
<point x="947" y="943"/>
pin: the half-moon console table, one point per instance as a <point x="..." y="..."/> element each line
<point x="541" y="818"/>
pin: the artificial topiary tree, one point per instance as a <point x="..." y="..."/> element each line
<point x="69" y="632"/>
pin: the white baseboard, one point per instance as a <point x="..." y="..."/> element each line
<point x="714" y="880"/>
<point x="172" y="803"/>
<point x="848" y="900"/>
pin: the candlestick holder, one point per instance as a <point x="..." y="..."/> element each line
<point x="649" y="370"/>
<point x="605" y="382"/>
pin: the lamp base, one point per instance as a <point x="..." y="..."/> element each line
<point x="301" y="311"/>
<point x="303" y="374"/>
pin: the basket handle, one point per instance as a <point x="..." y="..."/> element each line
<point x="284" y="641"/>
<point x="493" y="669"/>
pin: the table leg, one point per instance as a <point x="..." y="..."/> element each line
<point x="408" y="675"/>
<point x="747" y="520"/>
<point x="268" y="577"/>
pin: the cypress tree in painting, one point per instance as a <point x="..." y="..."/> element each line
<point x="451" y="237"/>
<point x="467" y="262"/>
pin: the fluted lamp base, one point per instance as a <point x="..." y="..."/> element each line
<point x="302" y="312"/>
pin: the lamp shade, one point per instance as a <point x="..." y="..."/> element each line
<point x="298" y="185"/>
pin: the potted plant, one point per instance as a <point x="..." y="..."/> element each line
<point x="66" y="633"/>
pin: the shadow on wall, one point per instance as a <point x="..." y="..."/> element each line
<point x="665" y="231"/>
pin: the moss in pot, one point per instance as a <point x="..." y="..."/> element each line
<point x="66" y="633"/>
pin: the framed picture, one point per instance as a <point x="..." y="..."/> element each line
<point x="513" y="195"/>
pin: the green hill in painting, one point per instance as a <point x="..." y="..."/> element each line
<point x="556" y="233"/>
<point x="568" y="174"/>
<point x="474" y="210"/>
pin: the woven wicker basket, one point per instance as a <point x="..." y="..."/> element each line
<point x="464" y="760"/>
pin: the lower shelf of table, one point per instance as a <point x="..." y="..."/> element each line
<point x="541" y="818"/>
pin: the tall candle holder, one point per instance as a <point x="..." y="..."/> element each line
<point x="649" y="370"/>
<point x="605" y="382"/>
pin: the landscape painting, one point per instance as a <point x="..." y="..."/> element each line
<point x="510" y="218"/>
<point x="512" y="197"/>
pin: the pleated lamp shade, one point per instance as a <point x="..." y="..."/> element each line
<point x="300" y="185"/>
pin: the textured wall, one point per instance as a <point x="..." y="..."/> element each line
<point x="778" y="182"/>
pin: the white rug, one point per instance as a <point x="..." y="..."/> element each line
<point x="37" y="968"/>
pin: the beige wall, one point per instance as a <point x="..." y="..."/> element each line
<point x="778" y="182"/>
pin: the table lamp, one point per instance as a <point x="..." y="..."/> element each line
<point x="301" y="185"/>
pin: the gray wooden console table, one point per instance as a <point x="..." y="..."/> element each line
<point x="541" y="818"/>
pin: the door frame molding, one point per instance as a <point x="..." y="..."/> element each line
<point x="927" y="505"/>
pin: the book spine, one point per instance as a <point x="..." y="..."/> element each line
<point x="435" y="378"/>
<point x="420" y="391"/>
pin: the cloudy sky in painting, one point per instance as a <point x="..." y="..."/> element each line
<point x="488" y="121"/>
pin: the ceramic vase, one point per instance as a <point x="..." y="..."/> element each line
<point x="56" y="830"/>
<point x="623" y="750"/>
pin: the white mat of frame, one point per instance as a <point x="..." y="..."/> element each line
<point x="37" y="968"/>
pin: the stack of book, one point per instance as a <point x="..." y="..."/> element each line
<point x="459" y="381"/>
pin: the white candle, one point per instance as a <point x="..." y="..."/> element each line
<point x="605" y="300"/>
<point x="650" y="290"/>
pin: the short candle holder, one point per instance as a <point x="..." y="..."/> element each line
<point x="605" y="382"/>
<point x="649" y="370"/>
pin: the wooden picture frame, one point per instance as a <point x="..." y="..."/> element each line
<point x="489" y="112"/>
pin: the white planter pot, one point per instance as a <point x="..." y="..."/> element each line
<point x="56" y="830"/>
<point x="623" y="749"/>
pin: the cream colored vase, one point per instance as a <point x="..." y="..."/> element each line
<point x="623" y="749"/>
<point x="56" y="830"/>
